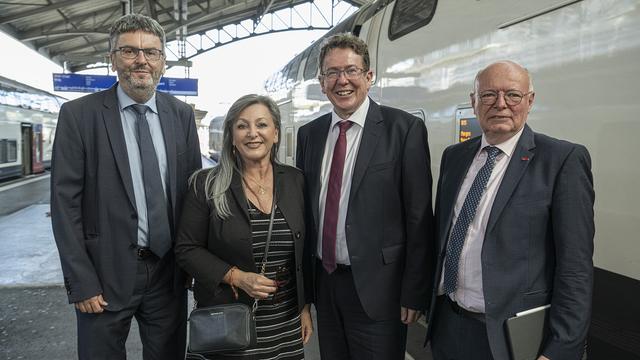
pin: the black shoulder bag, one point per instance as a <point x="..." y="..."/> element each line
<point x="226" y="327"/>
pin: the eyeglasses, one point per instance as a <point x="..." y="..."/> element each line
<point x="130" y="52"/>
<point x="282" y="279"/>
<point x="350" y="73"/>
<point x="511" y="97"/>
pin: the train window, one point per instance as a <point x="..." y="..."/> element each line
<point x="311" y="67"/>
<point x="3" y="151"/>
<point x="295" y="65"/>
<point x="409" y="15"/>
<point x="12" y="153"/>
<point x="8" y="151"/>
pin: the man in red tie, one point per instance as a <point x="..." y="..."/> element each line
<point x="369" y="215"/>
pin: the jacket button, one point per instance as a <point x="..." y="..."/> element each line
<point x="298" y="235"/>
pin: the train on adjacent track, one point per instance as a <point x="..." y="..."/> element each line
<point x="583" y="56"/>
<point x="28" y="118"/>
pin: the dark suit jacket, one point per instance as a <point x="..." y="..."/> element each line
<point x="389" y="219"/>
<point x="93" y="210"/>
<point x="207" y="246"/>
<point x="538" y="244"/>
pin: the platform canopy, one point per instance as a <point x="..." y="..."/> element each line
<point x="74" y="33"/>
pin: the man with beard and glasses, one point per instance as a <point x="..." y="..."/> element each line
<point x="121" y="161"/>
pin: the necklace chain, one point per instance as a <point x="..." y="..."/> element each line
<point x="262" y="189"/>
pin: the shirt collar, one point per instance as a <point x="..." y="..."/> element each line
<point x="125" y="100"/>
<point x="357" y="117"/>
<point x="507" y="147"/>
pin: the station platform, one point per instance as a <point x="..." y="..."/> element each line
<point x="36" y="320"/>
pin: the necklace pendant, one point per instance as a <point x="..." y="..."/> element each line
<point x="261" y="191"/>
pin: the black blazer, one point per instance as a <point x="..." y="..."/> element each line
<point x="538" y="244"/>
<point x="93" y="211"/>
<point x="389" y="219"/>
<point x="207" y="246"/>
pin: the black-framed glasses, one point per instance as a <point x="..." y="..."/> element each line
<point x="511" y="97"/>
<point x="350" y="73"/>
<point x="130" y="52"/>
<point x="283" y="279"/>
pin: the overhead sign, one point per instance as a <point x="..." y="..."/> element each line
<point x="82" y="83"/>
<point x="93" y="83"/>
<point x="179" y="87"/>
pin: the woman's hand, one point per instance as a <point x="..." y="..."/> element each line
<point x="306" y="323"/>
<point x="256" y="285"/>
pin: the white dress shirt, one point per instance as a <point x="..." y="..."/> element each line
<point x="354" y="135"/>
<point x="469" y="293"/>
<point x="129" y="117"/>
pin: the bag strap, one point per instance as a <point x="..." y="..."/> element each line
<point x="268" y="241"/>
<point x="263" y="267"/>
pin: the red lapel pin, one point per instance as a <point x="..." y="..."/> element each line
<point x="524" y="158"/>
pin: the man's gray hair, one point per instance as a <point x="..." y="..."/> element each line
<point x="132" y="23"/>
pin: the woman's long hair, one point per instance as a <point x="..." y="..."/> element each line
<point x="218" y="179"/>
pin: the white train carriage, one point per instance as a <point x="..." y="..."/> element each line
<point x="583" y="55"/>
<point x="28" y="118"/>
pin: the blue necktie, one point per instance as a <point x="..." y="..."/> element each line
<point x="466" y="215"/>
<point x="158" y="234"/>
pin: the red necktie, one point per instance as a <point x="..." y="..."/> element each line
<point x="332" y="202"/>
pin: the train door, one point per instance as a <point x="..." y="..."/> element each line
<point x="26" y="148"/>
<point x="37" y="165"/>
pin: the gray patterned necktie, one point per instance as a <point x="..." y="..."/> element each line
<point x="158" y="234"/>
<point x="465" y="217"/>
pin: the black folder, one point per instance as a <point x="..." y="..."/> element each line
<point x="526" y="332"/>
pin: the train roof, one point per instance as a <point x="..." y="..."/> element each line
<point x="14" y="93"/>
<point x="75" y="33"/>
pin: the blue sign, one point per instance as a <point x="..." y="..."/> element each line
<point x="179" y="87"/>
<point x="93" y="83"/>
<point x="82" y="83"/>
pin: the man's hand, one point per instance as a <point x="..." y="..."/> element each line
<point x="92" y="305"/>
<point x="408" y="316"/>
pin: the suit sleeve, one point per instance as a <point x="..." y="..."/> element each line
<point x="191" y="249"/>
<point x="193" y="144"/>
<point x="573" y="232"/>
<point x="416" y="192"/>
<point x="67" y="191"/>
<point x="307" y="257"/>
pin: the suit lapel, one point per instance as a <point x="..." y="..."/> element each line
<point x="373" y="128"/>
<point x="238" y="194"/>
<point x="167" y="122"/>
<point x="115" y="133"/>
<point x="318" y="137"/>
<point x="522" y="156"/>
<point x="459" y="165"/>
<point x="281" y="191"/>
